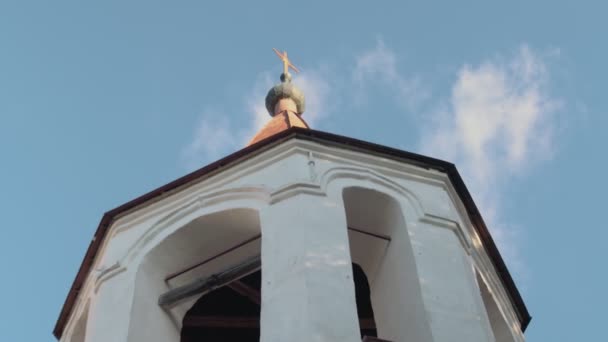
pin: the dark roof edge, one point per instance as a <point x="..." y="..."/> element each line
<point x="321" y="137"/>
<point x="488" y="243"/>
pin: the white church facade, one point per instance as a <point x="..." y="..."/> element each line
<point x="301" y="236"/>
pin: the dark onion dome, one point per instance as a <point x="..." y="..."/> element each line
<point x="285" y="90"/>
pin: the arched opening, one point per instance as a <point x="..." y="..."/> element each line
<point x="201" y="252"/>
<point x="380" y="244"/>
<point x="229" y="313"/>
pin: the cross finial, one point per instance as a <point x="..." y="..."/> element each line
<point x="286" y="63"/>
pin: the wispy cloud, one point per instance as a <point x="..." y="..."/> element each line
<point x="318" y="92"/>
<point x="255" y="106"/>
<point x="213" y="137"/>
<point x="378" y="66"/>
<point x="498" y="122"/>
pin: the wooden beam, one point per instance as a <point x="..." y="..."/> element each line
<point x="378" y="236"/>
<point x="210" y="283"/>
<point x="190" y="268"/>
<point x="373" y="339"/>
<point x="222" y="322"/>
<point x="247" y="322"/>
<point x="367" y="324"/>
<point x="246" y="291"/>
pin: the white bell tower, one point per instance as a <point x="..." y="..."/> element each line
<point x="301" y="236"/>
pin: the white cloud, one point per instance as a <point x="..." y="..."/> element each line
<point x="378" y="61"/>
<point x="212" y="138"/>
<point x="380" y="65"/>
<point x="255" y="106"/>
<point x="498" y="118"/>
<point x="498" y="122"/>
<point x="317" y="92"/>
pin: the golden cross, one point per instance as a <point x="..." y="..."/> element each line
<point x="286" y="63"/>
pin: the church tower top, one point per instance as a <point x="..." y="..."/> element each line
<point x="284" y="102"/>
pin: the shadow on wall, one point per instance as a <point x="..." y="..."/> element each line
<point x="499" y="325"/>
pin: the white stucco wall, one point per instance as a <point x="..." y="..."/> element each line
<point x="307" y="280"/>
<point x="295" y="192"/>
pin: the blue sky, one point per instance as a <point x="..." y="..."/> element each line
<point x="101" y="102"/>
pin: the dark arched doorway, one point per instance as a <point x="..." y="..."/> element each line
<point x="229" y="313"/>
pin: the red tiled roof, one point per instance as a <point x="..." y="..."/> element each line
<point x="279" y="123"/>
